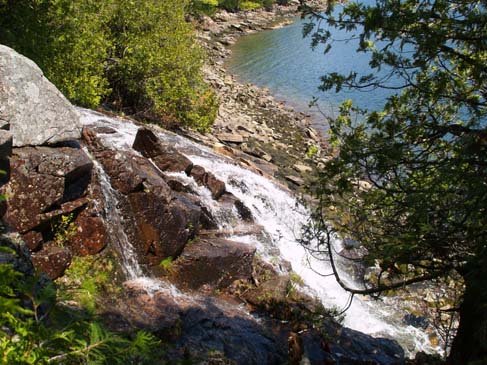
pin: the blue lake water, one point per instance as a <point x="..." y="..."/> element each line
<point x="284" y="62"/>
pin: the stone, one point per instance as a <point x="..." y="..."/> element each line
<point x="91" y="235"/>
<point x="165" y="158"/>
<point x="104" y="130"/>
<point x="302" y="168"/>
<point x="230" y="137"/>
<point x="216" y="262"/>
<point x="202" y="177"/>
<point x="162" y="229"/>
<point x="33" y="240"/>
<point x="37" y="112"/>
<point x="122" y="171"/>
<point x="229" y="202"/>
<point x="295" y="180"/>
<point x="18" y="255"/>
<point x="30" y="194"/>
<point x="52" y="260"/>
<point x="6" y="143"/>
<point x="44" y="183"/>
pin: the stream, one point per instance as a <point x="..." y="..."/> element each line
<point x="282" y="217"/>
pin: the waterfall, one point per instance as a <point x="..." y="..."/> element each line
<point x="280" y="214"/>
<point x="116" y="226"/>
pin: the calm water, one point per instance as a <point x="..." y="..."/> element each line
<point x="284" y="62"/>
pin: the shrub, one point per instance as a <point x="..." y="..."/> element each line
<point x="141" y="56"/>
<point x="249" y="5"/>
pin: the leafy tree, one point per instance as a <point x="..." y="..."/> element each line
<point x="141" y="56"/>
<point x="157" y="64"/>
<point x="409" y="182"/>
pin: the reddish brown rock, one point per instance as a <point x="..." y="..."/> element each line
<point x="52" y="260"/>
<point x="118" y="168"/>
<point x="42" y="180"/>
<point x="216" y="262"/>
<point x="162" y="229"/>
<point x="33" y="240"/>
<point x="164" y="157"/>
<point x="90" y="237"/>
<point x="29" y="194"/>
<point x="217" y="187"/>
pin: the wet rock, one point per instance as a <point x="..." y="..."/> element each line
<point x="202" y="177"/>
<point x="157" y="311"/>
<point x="52" y="260"/>
<point x="162" y="229"/>
<point x="229" y="202"/>
<point x="416" y="321"/>
<point x="216" y="262"/>
<point x="178" y="186"/>
<point x="104" y="130"/>
<point x="37" y="112"/>
<point x="165" y="158"/>
<point x="243" y="211"/>
<point x="197" y="328"/>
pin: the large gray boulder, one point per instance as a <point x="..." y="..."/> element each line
<point x="37" y="112"/>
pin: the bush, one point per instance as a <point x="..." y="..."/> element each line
<point x="31" y="334"/>
<point x="249" y="5"/>
<point x="207" y="7"/>
<point x="140" y="56"/>
<point x="158" y="64"/>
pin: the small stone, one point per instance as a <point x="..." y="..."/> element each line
<point x="52" y="260"/>
<point x="302" y="168"/>
<point x="295" y="179"/>
<point x="230" y="137"/>
<point x="33" y="240"/>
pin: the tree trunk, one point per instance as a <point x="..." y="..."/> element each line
<point x="470" y="344"/>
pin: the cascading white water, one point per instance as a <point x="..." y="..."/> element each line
<point x="282" y="217"/>
<point x="115" y="226"/>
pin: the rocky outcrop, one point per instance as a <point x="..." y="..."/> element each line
<point x="45" y="183"/>
<point x="35" y="110"/>
<point x="198" y="329"/>
<point x="215" y="262"/>
<point x="165" y="158"/>
<point x="161" y="220"/>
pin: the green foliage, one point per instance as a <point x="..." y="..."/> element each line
<point x="86" y="279"/>
<point x="40" y="332"/>
<point x="312" y="151"/>
<point x="64" y="229"/>
<point x="157" y="74"/>
<point x="207" y="7"/>
<point x="249" y="5"/>
<point x="166" y="264"/>
<point x="424" y="154"/>
<point x="116" y="51"/>
<point x="236" y="5"/>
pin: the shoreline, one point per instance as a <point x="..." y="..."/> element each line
<point x="253" y="127"/>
